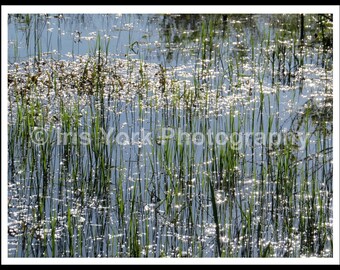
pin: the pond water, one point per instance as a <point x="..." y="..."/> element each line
<point x="170" y="135"/>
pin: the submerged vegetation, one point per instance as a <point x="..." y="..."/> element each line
<point x="173" y="197"/>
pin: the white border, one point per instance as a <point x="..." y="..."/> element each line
<point x="5" y="10"/>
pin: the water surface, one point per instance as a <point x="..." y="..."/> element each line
<point x="121" y="196"/>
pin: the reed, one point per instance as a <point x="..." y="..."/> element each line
<point x="95" y="196"/>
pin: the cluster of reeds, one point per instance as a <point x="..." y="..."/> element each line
<point x="177" y="198"/>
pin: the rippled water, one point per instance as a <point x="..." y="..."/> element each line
<point x="108" y="196"/>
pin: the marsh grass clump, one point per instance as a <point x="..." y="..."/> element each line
<point x="245" y="168"/>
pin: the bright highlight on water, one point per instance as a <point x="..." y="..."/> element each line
<point x="170" y="135"/>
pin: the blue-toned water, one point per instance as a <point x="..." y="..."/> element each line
<point x="94" y="85"/>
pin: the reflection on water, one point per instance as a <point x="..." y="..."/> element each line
<point x="104" y="75"/>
